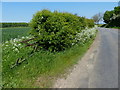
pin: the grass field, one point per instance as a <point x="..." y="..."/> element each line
<point x="14" y="32"/>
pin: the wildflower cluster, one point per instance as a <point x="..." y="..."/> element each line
<point x="15" y="44"/>
<point x="85" y="35"/>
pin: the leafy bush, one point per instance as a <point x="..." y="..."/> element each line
<point x="90" y="23"/>
<point x="56" y="31"/>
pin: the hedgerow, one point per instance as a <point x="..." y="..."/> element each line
<point x="56" y="31"/>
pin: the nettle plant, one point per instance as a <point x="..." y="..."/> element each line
<point x="55" y="31"/>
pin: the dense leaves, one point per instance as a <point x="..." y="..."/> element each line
<point x="112" y="18"/>
<point x="56" y="31"/>
<point x="107" y="16"/>
<point x="117" y="10"/>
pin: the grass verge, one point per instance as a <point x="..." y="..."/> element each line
<point x="116" y="27"/>
<point x="40" y="70"/>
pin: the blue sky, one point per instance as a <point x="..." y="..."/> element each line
<point x="23" y="11"/>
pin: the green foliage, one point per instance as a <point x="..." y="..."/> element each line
<point x="114" y="23"/>
<point x="112" y="18"/>
<point x="90" y="23"/>
<point x="107" y="16"/>
<point x="117" y="10"/>
<point x="4" y="25"/>
<point x="43" y="64"/>
<point x="56" y="31"/>
<point x="41" y="67"/>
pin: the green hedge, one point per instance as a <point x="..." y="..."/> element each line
<point x="56" y="31"/>
<point x="4" y="25"/>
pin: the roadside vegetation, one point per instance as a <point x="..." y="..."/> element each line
<point x="112" y="18"/>
<point x="57" y="40"/>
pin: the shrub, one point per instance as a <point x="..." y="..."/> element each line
<point x="83" y="24"/>
<point x="90" y="23"/>
<point x="56" y="31"/>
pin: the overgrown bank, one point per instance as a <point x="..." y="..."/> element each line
<point x="51" y="48"/>
<point x="40" y="69"/>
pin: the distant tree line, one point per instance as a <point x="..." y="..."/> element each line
<point x="112" y="18"/>
<point x="3" y="25"/>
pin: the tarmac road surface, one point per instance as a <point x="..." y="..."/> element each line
<point x="105" y="71"/>
<point x="99" y="66"/>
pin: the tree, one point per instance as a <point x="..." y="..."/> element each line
<point x="112" y="18"/>
<point x="107" y="16"/>
<point x="97" y="18"/>
<point x="117" y="10"/>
